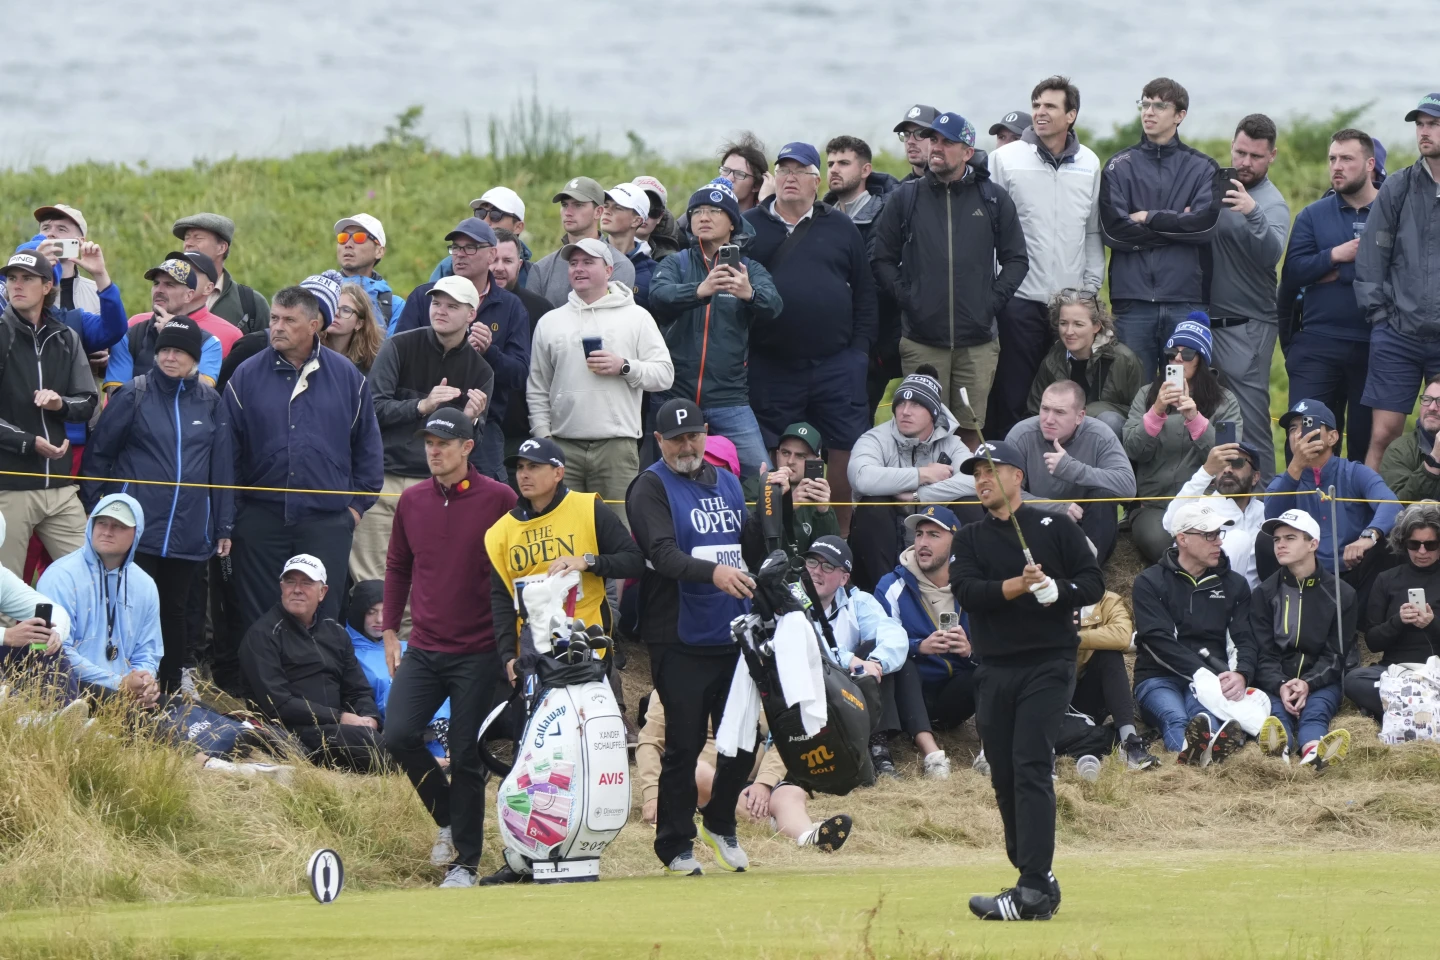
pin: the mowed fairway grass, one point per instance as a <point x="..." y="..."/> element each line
<point x="1173" y="905"/>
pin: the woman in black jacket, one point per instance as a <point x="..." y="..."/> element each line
<point x="1400" y="631"/>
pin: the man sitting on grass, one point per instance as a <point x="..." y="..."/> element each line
<point x="1302" y="654"/>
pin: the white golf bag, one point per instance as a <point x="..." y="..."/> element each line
<point x="567" y="794"/>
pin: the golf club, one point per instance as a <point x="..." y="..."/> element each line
<point x="985" y="447"/>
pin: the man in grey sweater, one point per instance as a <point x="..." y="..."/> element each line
<point x="580" y="202"/>
<point x="1248" y="242"/>
<point x="1069" y="456"/>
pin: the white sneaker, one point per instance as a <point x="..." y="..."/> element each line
<point x="937" y="766"/>
<point x="444" y="850"/>
<point x="980" y="765"/>
<point x="1088" y="767"/>
<point x="458" y="877"/>
<point x="728" y="854"/>
<point x="274" y="771"/>
<point x="685" y="865"/>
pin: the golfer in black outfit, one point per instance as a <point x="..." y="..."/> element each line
<point x="1022" y="626"/>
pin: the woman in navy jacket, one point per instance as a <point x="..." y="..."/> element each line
<point x="169" y="425"/>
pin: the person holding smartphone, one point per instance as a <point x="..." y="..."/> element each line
<point x="31" y="633"/>
<point x="804" y="496"/>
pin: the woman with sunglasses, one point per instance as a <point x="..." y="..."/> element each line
<point x="1401" y="631"/>
<point x="1088" y="353"/>
<point x="354" y="332"/>
<point x="1170" y="429"/>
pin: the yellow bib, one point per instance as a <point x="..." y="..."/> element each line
<point x="524" y="549"/>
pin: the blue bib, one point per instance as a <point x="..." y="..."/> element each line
<point x="708" y="521"/>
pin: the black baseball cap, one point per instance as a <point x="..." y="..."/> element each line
<point x="832" y="549"/>
<point x="447" y="423"/>
<point x="538" y="450"/>
<point x="922" y="114"/>
<point x="200" y="261"/>
<point x="679" y="416"/>
<point x="32" y="262"/>
<point x="997" y="450"/>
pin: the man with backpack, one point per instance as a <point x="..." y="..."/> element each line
<point x="937" y="245"/>
<point x="359" y="245"/>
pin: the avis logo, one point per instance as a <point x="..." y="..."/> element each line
<point x="612" y="779"/>
<point x="816" y="757"/>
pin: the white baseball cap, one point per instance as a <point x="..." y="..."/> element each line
<point x="630" y="196"/>
<point x="458" y="287"/>
<point x="595" y="248"/>
<point x="1298" y="519"/>
<point x="306" y="564"/>
<point x="1200" y="514"/>
<point x="503" y="199"/>
<point x="365" y="222"/>
<point x="651" y="185"/>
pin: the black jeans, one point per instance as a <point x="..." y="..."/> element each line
<point x="1360" y="687"/>
<point x="343" y="746"/>
<point x="1025" y="338"/>
<point x="1101" y="523"/>
<point x="916" y="706"/>
<point x="692" y="688"/>
<point x="175" y="581"/>
<point x="1018" y="714"/>
<point x="263" y="542"/>
<point x="1103" y="689"/>
<point x="423" y="681"/>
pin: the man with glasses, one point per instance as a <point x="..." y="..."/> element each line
<point x="1362" y="516"/>
<point x="1055" y="183"/>
<point x="1230" y="470"/>
<point x="1411" y="466"/>
<point x="581" y="204"/>
<point x="1187" y="607"/>
<point x="499" y="331"/>
<point x="627" y="206"/>
<point x="810" y="363"/>
<point x="742" y="162"/>
<point x="949" y="248"/>
<point x="1158" y="206"/>
<point x="915" y="136"/>
<point x="503" y="209"/>
<point x="359" y="246"/>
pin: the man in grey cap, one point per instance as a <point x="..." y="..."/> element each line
<point x="1010" y="127"/>
<point x="581" y="200"/>
<point x="914" y="133"/>
<point x="212" y="234"/>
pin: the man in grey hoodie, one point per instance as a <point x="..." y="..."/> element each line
<point x="581" y="200"/>
<point x="1069" y="455"/>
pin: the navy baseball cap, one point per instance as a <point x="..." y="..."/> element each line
<point x="802" y="153"/>
<point x="679" y="416"/>
<point x="1429" y="105"/>
<point x="538" y="450"/>
<point x="474" y="228"/>
<point x="938" y="515"/>
<point x="833" y="550"/>
<point x="447" y="423"/>
<point x="998" y="450"/>
<point x="954" y="128"/>
<point x="1308" y="408"/>
<point x="1251" y="451"/>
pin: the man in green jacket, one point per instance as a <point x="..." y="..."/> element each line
<point x="212" y="234"/>
<point x="805" y="501"/>
<point x="1411" y="465"/>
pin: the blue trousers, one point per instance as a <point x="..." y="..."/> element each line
<point x="1144" y="327"/>
<point x="1314" y="720"/>
<point x="1167" y="704"/>
<point x="1333" y="371"/>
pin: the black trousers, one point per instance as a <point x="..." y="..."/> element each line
<point x="1360" y="687"/>
<point x="692" y="688"/>
<point x="1101" y="523"/>
<point x="1018" y="714"/>
<point x="876" y="536"/>
<point x="1025" y="338"/>
<point x="175" y="581"/>
<point x="422" y="682"/>
<point x="225" y="617"/>
<point x="1103" y="689"/>
<point x="910" y="704"/>
<point x="342" y="746"/>
<point x="263" y="542"/>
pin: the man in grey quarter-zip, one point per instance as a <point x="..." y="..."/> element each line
<point x="949" y="248"/>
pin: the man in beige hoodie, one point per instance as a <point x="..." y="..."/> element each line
<point x="590" y="362"/>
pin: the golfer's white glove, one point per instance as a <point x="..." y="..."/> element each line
<point x="1046" y="593"/>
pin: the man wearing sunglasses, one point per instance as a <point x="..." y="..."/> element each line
<point x="1193" y="579"/>
<point x="1231" y="470"/>
<point x="359" y="246"/>
<point x="1362" y="517"/>
<point x="582" y="202"/>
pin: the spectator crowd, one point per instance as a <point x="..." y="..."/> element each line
<point x="328" y="502"/>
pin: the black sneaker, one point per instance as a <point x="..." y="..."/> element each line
<point x="1195" y="751"/>
<point x="880" y="756"/>
<point x="505" y="875"/>
<point x="1136" y="756"/>
<point x="1016" y="903"/>
<point x="1228" y="741"/>
<point x="1054" y="894"/>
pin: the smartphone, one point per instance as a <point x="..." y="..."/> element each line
<point x="1417" y="597"/>
<point x="69" y="248"/>
<point x="43" y="611"/>
<point x="1223" y="176"/>
<point x="591" y="344"/>
<point x="949" y="621"/>
<point x="1224" y="432"/>
<point x="1307" y="424"/>
<point x="1175" y="373"/>
<point x="729" y="255"/>
<point x="814" y="469"/>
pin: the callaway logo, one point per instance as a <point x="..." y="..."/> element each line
<point x="985" y="448"/>
<point x="914" y="112"/>
<point x="23" y="259"/>
<point x="1045" y="522"/>
<point x="1217" y="594"/>
<point x="527" y="446"/>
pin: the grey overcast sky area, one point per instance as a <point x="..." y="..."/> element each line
<point x="133" y="82"/>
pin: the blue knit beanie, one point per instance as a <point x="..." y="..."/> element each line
<point x="719" y="192"/>
<point x="1193" y="332"/>
<point x="326" y="289"/>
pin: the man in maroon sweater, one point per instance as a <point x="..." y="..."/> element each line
<point x="437" y="560"/>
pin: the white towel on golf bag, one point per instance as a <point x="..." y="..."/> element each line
<point x="1249" y="711"/>
<point x="545" y="608"/>
<point x="797" y="662"/>
<point x="1410" y="693"/>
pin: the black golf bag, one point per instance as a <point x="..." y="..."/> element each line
<point x="835" y="760"/>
